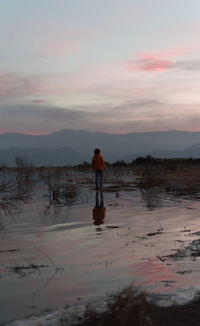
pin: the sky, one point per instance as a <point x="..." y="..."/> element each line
<point x="113" y="66"/>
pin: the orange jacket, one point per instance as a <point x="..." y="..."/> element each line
<point x="98" y="162"/>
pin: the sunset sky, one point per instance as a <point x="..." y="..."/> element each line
<point x="114" y="66"/>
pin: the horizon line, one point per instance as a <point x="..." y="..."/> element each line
<point x="89" y="131"/>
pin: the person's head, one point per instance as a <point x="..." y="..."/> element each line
<point x="97" y="151"/>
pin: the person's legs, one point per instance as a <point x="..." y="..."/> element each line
<point x="96" y="178"/>
<point x="101" y="178"/>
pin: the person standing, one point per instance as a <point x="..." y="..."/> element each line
<point x="98" y="166"/>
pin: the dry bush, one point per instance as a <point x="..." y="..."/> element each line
<point x="149" y="178"/>
<point x="25" y="170"/>
<point x="119" y="174"/>
<point x="126" y="308"/>
<point x="169" y="174"/>
<point x="131" y="308"/>
<point x="62" y="193"/>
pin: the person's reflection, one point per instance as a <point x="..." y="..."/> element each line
<point x="99" y="211"/>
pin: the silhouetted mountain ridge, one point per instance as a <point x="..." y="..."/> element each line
<point x="114" y="146"/>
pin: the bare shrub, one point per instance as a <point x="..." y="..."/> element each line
<point x="149" y="178"/>
<point x="126" y="308"/>
<point x="24" y="169"/>
<point x="60" y="192"/>
<point x="131" y="308"/>
<point x="64" y="193"/>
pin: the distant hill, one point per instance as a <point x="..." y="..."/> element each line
<point x="42" y="156"/>
<point x="192" y="151"/>
<point x="76" y="146"/>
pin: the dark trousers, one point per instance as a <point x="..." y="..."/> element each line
<point x="98" y="175"/>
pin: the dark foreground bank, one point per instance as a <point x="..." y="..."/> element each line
<point x="131" y="308"/>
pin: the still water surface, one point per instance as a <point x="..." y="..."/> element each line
<point x="93" y="246"/>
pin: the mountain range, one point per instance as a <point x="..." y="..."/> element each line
<point x="71" y="147"/>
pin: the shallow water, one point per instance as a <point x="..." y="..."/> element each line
<point x="80" y="252"/>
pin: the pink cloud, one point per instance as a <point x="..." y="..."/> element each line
<point x="21" y="131"/>
<point x="12" y="84"/>
<point x="39" y="101"/>
<point x="35" y="133"/>
<point x="165" y="54"/>
<point x="35" y="87"/>
<point x="156" y="62"/>
<point x="60" y="48"/>
<point x="150" y="65"/>
<point x="67" y="43"/>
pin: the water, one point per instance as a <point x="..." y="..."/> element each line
<point x="68" y="252"/>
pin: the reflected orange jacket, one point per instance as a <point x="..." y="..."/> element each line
<point x="99" y="215"/>
<point x="98" y="162"/>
